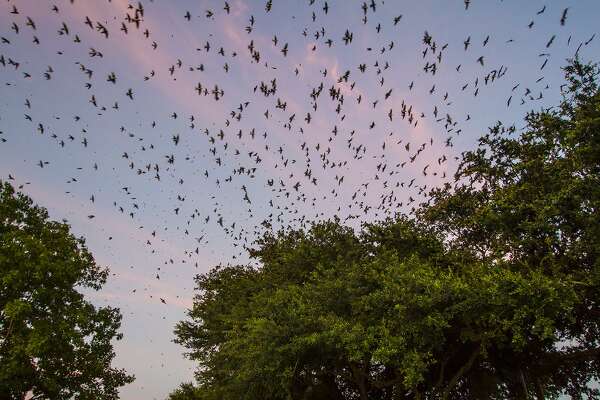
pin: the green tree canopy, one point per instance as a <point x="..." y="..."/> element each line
<point x="491" y="290"/>
<point x="53" y="343"/>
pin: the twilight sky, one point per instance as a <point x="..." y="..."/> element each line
<point x="174" y="196"/>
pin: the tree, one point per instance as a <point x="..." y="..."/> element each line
<point x="53" y="343"/>
<point x="186" y="391"/>
<point x="491" y="290"/>
<point x="531" y="203"/>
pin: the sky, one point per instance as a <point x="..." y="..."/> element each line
<point x="182" y="181"/>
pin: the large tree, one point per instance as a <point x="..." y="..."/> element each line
<point x="53" y="343"/>
<point x="491" y="290"/>
<point x="530" y="203"/>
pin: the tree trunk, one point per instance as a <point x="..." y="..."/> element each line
<point x="360" y="379"/>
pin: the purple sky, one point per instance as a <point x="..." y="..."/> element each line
<point x="120" y="143"/>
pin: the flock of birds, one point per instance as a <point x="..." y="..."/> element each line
<point x="227" y="144"/>
<point x="264" y="136"/>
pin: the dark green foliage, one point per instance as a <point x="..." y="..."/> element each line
<point x="492" y="291"/>
<point x="53" y="343"/>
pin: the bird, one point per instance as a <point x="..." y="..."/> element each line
<point x="563" y="18"/>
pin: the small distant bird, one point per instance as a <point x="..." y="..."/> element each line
<point x="563" y="18"/>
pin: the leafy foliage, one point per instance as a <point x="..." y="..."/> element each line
<point x="492" y="291"/>
<point x="53" y="343"/>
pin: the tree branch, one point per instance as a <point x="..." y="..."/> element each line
<point x="441" y="376"/>
<point x="571" y="357"/>
<point x="539" y="390"/>
<point x="460" y="373"/>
